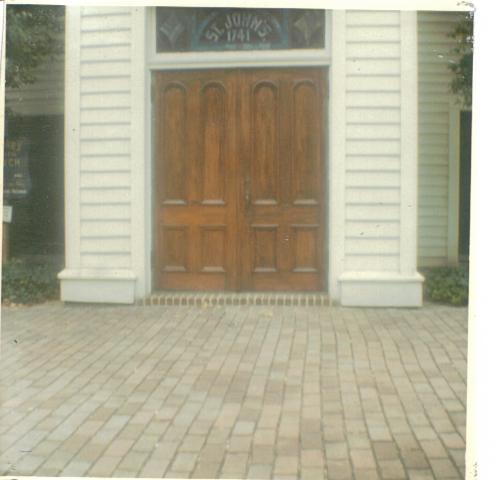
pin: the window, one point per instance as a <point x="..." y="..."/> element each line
<point x="223" y="29"/>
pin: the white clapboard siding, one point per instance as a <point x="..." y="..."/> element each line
<point x="373" y="138"/>
<point x="372" y="229"/>
<point x="106" y="229"/>
<point x="434" y="51"/>
<point x="43" y="97"/>
<point x="105" y="98"/>
<point x="372" y="262"/>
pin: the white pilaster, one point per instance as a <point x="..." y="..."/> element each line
<point x="337" y="135"/>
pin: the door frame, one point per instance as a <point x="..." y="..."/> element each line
<point x="231" y="60"/>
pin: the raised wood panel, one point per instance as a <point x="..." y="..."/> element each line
<point x="264" y="244"/>
<point x="174" y="138"/>
<point x="174" y="243"/>
<point x="306" y="143"/>
<point x="305" y="248"/>
<point x="264" y="130"/>
<point x="214" y="249"/>
<point x="213" y="108"/>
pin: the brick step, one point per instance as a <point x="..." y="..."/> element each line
<point x="211" y="299"/>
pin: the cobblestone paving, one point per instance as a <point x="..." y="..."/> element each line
<point x="233" y="392"/>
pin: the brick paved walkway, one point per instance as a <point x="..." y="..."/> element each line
<point x="233" y="392"/>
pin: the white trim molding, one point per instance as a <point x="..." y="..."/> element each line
<point x="409" y="143"/>
<point x="97" y="286"/>
<point x="372" y="289"/>
<point x="454" y="182"/>
<point x="138" y="157"/>
<point x="337" y="151"/>
<point x="72" y="136"/>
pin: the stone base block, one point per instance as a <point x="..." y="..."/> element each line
<point x="371" y="289"/>
<point x="95" y="286"/>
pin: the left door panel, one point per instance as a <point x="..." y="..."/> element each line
<point x="195" y="195"/>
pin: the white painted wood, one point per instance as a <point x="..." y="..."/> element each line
<point x="372" y="66"/>
<point x="381" y="155"/>
<point x="372" y="246"/>
<point x="140" y="259"/>
<point x="105" y="53"/>
<point x="372" y="230"/>
<point x="373" y="290"/>
<point x="95" y="285"/>
<point x="361" y="33"/>
<point x="454" y="183"/>
<point x="98" y="163"/>
<point x="97" y="229"/>
<point x="371" y="263"/>
<point x="370" y="18"/>
<point x="105" y="196"/>
<point x="437" y="144"/>
<point x="72" y="146"/>
<point x="409" y="139"/>
<point x="337" y="141"/>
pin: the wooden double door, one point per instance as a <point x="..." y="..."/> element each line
<point x="240" y="179"/>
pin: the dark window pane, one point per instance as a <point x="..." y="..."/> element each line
<point x="208" y="29"/>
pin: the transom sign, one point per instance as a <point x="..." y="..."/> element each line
<point x="239" y="179"/>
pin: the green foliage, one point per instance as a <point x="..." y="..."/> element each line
<point x="33" y="34"/>
<point x="463" y="33"/>
<point x="28" y="283"/>
<point x="447" y="285"/>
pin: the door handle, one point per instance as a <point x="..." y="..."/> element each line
<point x="247" y="191"/>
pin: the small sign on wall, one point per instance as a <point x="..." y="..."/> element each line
<point x="7" y="213"/>
<point x="17" y="179"/>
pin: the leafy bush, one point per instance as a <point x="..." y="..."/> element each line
<point x="447" y="284"/>
<point x="29" y="282"/>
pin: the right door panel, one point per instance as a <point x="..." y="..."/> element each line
<point x="281" y="180"/>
